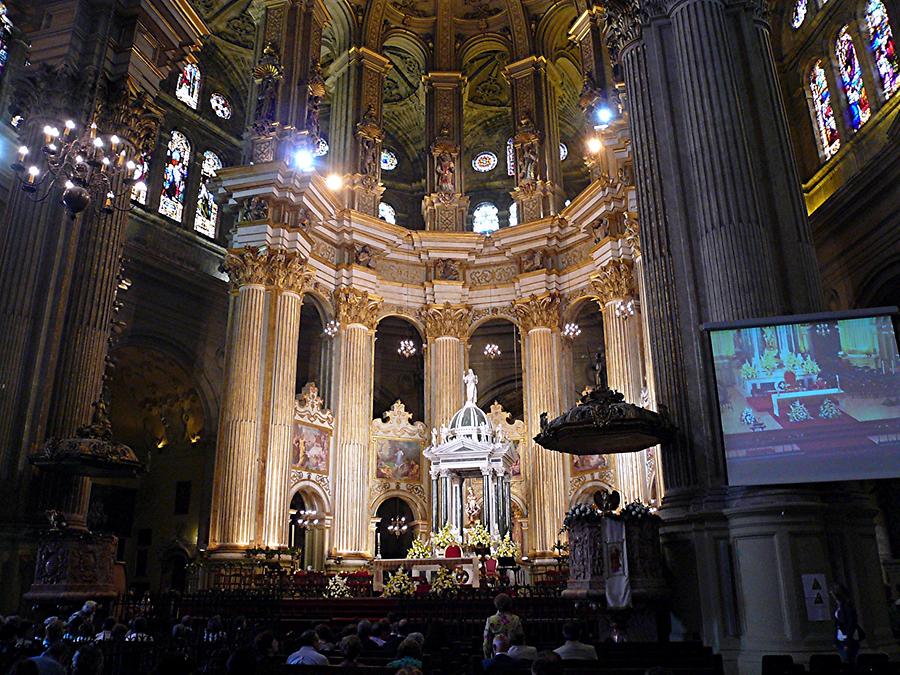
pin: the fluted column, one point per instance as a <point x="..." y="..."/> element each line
<point x="446" y="327"/>
<point x="289" y="278"/>
<point x="614" y="284"/>
<point x="357" y="313"/>
<point x="539" y="323"/>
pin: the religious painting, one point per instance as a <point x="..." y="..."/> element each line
<point x="309" y="448"/>
<point x="515" y="471"/>
<point x="397" y="459"/>
<point x="588" y="463"/>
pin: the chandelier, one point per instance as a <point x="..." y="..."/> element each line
<point x="823" y="329"/>
<point x="331" y="328"/>
<point x="85" y="164"/>
<point x="625" y="309"/>
<point x="571" y="331"/>
<point x="407" y="349"/>
<point x="492" y="351"/>
<point x="307" y="519"/>
<point x="397" y="526"/>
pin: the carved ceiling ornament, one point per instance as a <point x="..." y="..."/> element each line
<point x="625" y="20"/>
<point x="447" y="320"/>
<point x="538" y="311"/>
<point x="356" y="307"/>
<point x="615" y="281"/>
<point x="515" y="430"/>
<point x="43" y="90"/>
<point x="633" y="235"/>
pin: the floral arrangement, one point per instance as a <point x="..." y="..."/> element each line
<point x="768" y="362"/>
<point x="507" y="548"/>
<point x="748" y="418"/>
<point x="337" y="587"/>
<point x="748" y="372"/>
<point x="400" y="583"/>
<point x="810" y="367"/>
<point x="419" y="550"/>
<point x="444" y="582"/>
<point x="581" y="514"/>
<point x="798" y="412"/>
<point x="828" y="410"/>
<point x="445" y="537"/>
<point x="478" y="536"/>
<point x="636" y="511"/>
<point x="793" y="362"/>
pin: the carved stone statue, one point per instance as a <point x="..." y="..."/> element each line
<point x="443" y="433"/>
<point x="445" y="168"/>
<point x="368" y="162"/>
<point x="528" y="167"/>
<point x="363" y="256"/>
<point x="434" y="437"/>
<point x="446" y="270"/>
<point x="470" y="379"/>
<point x="472" y="508"/>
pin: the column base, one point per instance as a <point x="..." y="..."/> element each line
<point x="74" y="566"/>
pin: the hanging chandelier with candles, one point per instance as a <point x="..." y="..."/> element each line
<point x="407" y="348"/>
<point x="625" y="309"/>
<point x="331" y="328"/>
<point x="87" y="164"/>
<point x="397" y="526"/>
<point x="307" y="519"/>
<point x="571" y="331"/>
<point x="492" y="351"/>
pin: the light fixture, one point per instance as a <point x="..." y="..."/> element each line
<point x="303" y="159"/>
<point x="594" y="145"/>
<point x="331" y="328"/>
<point x="407" y="349"/>
<point x="624" y="309"/>
<point x="492" y="351"/>
<point x="79" y="163"/>
<point x="397" y="526"/>
<point x="334" y="182"/>
<point x="571" y="331"/>
<point x="306" y="518"/>
<point x="604" y="115"/>
<point x="823" y="329"/>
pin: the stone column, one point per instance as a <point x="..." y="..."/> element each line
<point x="539" y="323"/>
<point x="235" y="486"/>
<point x="538" y="191"/>
<point x="289" y="277"/>
<point x="446" y="328"/>
<point x="587" y="33"/>
<point x="365" y="155"/>
<point x="445" y="499"/>
<point x="445" y="206"/>
<point x="357" y="312"/>
<point x="435" y="502"/>
<point x="614" y="286"/>
<point x="485" y="499"/>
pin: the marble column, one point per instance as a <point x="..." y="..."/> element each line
<point x="364" y="167"/>
<point x="289" y="277"/>
<point x="435" y="502"/>
<point x="539" y="324"/>
<point x="446" y="328"/>
<point x="614" y="287"/>
<point x="357" y="312"/>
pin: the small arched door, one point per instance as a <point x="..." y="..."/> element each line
<point x="395" y="529"/>
<point x="306" y="531"/>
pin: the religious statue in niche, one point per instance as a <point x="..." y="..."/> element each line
<point x="445" y="168"/>
<point x="368" y="161"/>
<point x="253" y="208"/>
<point x="472" y="508"/>
<point x="446" y="270"/>
<point x="363" y="256"/>
<point x="268" y="74"/>
<point x="528" y="167"/>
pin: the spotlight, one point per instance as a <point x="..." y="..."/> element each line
<point x="604" y="114"/>
<point x="594" y="145"/>
<point x="334" y="182"/>
<point x="304" y="160"/>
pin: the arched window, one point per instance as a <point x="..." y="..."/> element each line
<point x="178" y="156"/>
<point x="563" y="151"/>
<point x="6" y="32"/>
<point x="881" y="42"/>
<point x="139" y="189"/>
<point x="513" y="214"/>
<point x="386" y="213"/>
<point x="207" y="210"/>
<point x="484" y="161"/>
<point x="858" y="111"/>
<point x="826" y="125"/>
<point x="188" y="88"/>
<point x="321" y="148"/>
<point x="510" y="158"/>
<point x="485" y="218"/>
<point x="799" y="14"/>
<point x="220" y="105"/>
<point x="388" y="160"/>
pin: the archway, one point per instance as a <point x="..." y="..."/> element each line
<point x="174" y="571"/>
<point x="314" y="349"/>
<point x="495" y="356"/>
<point x="306" y="530"/>
<point x="395" y="530"/>
<point x="399" y="374"/>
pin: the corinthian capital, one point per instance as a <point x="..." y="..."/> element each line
<point x="626" y="20"/>
<point x="538" y="311"/>
<point x="289" y="271"/>
<point x="354" y="306"/>
<point x="615" y="281"/>
<point x="447" y="319"/>
<point x="246" y="266"/>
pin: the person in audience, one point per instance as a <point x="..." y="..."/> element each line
<point x="119" y="632"/>
<point x="351" y="648"/>
<point x="418" y="637"/>
<point x="547" y="663"/>
<point x="138" y="632"/>
<point x="847" y="632"/>
<point x="106" y="629"/>
<point x="88" y="660"/>
<point x="214" y="631"/>
<point x="409" y="655"/>
<point x="24" y="667"/>
<point x="364" y="633"/>
<point x="308" y="654"/>
<point x="241" y="662"/>
<point x="25" y="635"/>
<point x="52" y="660"/>
<point x="381" y="632"/>
<point x="503" y="622"/>
<point x="326" y="638"/>
<point x="182" y="630"/>
<point x="265" y="648"/>
<point x="53" y="631"/>
<point x="500" y="661"/>
<point x="573" y="649"/>
<point x="519" y="651"/>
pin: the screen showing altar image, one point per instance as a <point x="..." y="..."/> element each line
<point x="812" y="401"/>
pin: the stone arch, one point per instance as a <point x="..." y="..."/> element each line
<point x="881" y="286"/>
<point x="410" y="318"/>
<point x="585" y="492"/>
<point x="416" y="503"/>
<point x="308" y="487"/>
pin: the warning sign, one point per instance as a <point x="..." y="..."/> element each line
<point x="815" y="593"/>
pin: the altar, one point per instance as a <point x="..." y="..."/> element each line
<point x="425" y="567"/>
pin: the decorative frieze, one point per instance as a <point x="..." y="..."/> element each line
<point x="538" y="311"/>
<point x="615" y="281"/>
<point x="355" y="306"/>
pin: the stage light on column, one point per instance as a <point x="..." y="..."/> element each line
<point x="604" y="115"/>
<point x="334" y="182"/>
<point x="594" y="145"/>
<point x="303" y="159"/>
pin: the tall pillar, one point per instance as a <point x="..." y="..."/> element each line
<point x="357" y="312"/>
<point x="435" y="502"/>
<point x="365" y="154"/>
<point x="614" y="286"/>
<point x="539" y="323"/>
<point x="445" y="206"/>
<point x="446" y="328"/>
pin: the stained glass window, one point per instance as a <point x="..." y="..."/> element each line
<point x="207" y="210"/>
<point x="884" y="52"/>
<point x="386" y="213"/>
<point x="858" y="111"/>
<point x="484" y="162"/>
<point x="388" y="160"/>
<point x="485" y="218"/>
<point x="139" y="189"/>
<point x="513" y="214"/>
<point x="826" y="125"/>
<point x="321" y="148"/>
<point x="563" y="151"/>
<point x="510" y="158"/>
<point x="188" y="88"/>
<point x="178" y="156"/>
<point x="220" y="105"/>
<point x="799" y="14"/>
<point x="6" y="30"/>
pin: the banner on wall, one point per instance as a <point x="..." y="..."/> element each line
<point x="618" y="587"/>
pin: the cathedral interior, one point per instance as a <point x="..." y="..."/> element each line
<point x="303" y="221"/>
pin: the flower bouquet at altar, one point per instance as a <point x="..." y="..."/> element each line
<point x="420" y="550"/>
<point x="478" y="538"/>
<point x="337" y="587"/>
<point x="444" y="582"/>
<point x="444" y="538"/>
<point x="400" y="584"/>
